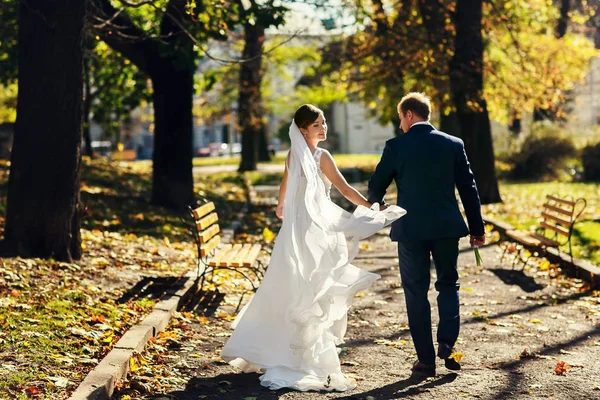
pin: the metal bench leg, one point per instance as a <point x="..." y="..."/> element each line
<point x="504" y="253"/>
<point x="517" y="257"/>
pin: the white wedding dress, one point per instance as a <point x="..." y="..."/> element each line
<point x="292" y="326"/>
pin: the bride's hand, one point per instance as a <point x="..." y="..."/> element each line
<point x="279" y="211"/>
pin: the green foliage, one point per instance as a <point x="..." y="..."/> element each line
<point x="117" y="86"/>
<point x="8" y="40"/>
<point x="219" y="87"/>
<point x="526" y="65"/>
<point x="542" y="154"/>
<point x="590" y="157"/>
<point x="8" y="103"/>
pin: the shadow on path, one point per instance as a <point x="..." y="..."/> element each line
<point x="152" y="287"/>
<point x="232" y="386"/>
<point x="511" y="277"/>
<point x="405" y="388"/>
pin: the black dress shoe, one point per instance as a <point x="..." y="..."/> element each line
<point x="451" y="364"/>
<point x="423" y="369"/>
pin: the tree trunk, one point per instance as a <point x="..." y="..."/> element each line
<point x="263" y="144"/>
<point x="170" y="61"/>
<point x="450" y="124"/>
<point x="87" y="109"/>
<point x="563" y="20"/>
<point x="515" y="123"/>
<point x="172" y="179"/>
<point x="42" y="218"/>
<point x="466" y="85"/>
<point x="250" y="100"/>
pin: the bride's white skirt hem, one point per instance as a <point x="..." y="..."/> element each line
<point x="280" y="377"/>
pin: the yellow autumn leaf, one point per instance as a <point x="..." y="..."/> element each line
<point x="544" y="265"/>
<point x="365" y="247"/>
<point x="457" y="356"/>
<point x="268" y="235"/>
<point x="133" y="365"/>
<point x="536" y="321"/>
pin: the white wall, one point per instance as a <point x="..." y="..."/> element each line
<point x="358" y="131"/>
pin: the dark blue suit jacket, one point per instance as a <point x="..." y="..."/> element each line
<point x="427" y="165"/>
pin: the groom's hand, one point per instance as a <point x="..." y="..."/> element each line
<point x="477" y="240"/>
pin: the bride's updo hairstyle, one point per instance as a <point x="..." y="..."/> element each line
<point x="306" y="115"/>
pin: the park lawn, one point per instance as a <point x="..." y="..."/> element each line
<point x="60" y="319"/>
<point x="522" y="206"/>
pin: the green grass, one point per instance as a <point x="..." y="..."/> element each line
<point x="364" y="161"/>
<point x="522" y="207"/>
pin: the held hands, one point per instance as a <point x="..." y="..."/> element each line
<point x="279" y="211"/>
<point x="477" y="241"/>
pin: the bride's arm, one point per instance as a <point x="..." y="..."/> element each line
<point x="332" y="173"/>
<point x="282" y="187"/>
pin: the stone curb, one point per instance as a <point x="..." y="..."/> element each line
<point x="579" y="268"/>
<point x="100" y="383"/>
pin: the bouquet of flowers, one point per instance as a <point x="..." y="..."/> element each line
<point x="478" y="259"/>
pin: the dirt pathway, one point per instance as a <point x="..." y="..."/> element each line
<point x="516" y="328"/>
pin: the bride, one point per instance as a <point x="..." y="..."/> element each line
<point x="291" y="328"/>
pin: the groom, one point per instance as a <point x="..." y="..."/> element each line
<point x="427" y="165"/>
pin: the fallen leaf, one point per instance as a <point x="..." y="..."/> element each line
<point x="526" y="354"/>
<point x="32" y="391"/>
<point x="561" y="368"/>
<point x="457" y="356"/>
<point x="396" y="344"/>
<point x="59" y="381"/>
<point x="98" y="318"/>
<point x="536" y="321"/>
<point x="268" y="235"/>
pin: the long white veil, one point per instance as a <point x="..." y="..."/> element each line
<point x="328" y="216"/>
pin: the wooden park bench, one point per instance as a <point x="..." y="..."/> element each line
<point x="555" y="228"/>
<point x="203" y="223"/>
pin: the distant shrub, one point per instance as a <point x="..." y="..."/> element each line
<point x="543" y="154"/>
<point x="590" y="158"/>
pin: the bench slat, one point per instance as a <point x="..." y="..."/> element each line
<point x="203" y="210"/>
<point x="558" y="229"/>
<point x="252" y="255"/>
<point x="219" y="255"/>
<point x="209" y="233"/>
<point x="207" y="221"/>
<point x="238" y="260"/>
<point x="545" y="241"/>
<point x="560" y="221"/>
<point x="210" y="246"/>
<point x="559" y="200"/>
<point x="559" y="210"/>
<point x="224" y="262"/>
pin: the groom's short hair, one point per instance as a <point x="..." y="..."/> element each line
<point x="416" y="102"/>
